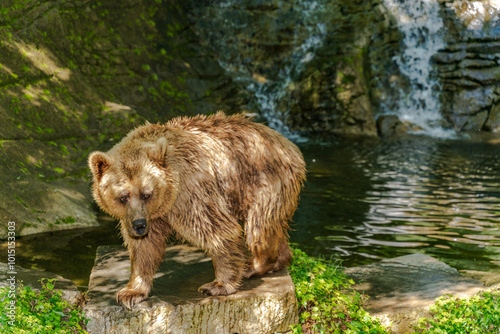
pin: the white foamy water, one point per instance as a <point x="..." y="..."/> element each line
<point x="422" y="28"/>
<point x="272" y="93"/>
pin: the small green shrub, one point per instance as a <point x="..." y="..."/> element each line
<point x="478" y="314"/>
<point x="40" y="312"/>
<point x="327" y="302"/>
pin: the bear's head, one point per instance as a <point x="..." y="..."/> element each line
<point x="135" y="183"/>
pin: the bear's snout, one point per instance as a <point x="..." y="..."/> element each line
<point x="139" y="226"/>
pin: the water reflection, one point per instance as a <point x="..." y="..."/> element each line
<point x="70" y="254"/>
<point x="368" y="201"/>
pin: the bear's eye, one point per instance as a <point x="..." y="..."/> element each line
<point x="145" y="197"/>
<point x="123" y="199"/>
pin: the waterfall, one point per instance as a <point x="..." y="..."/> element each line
<point x="270" y="94"/>
<point x="422" y="27"/>
<point x="269" y="85"/>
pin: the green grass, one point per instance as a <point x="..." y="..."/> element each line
<point x="327" y="301"/>
<point x="40" y="312"/>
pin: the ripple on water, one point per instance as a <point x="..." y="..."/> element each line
<point x="369" y="201"/>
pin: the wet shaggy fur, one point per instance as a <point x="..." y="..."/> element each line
<point x="223" y="183"/>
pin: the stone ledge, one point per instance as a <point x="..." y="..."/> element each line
<point x="265" y="304"/>
<point x="402" y="289"/>
<point x="32" y="278"/>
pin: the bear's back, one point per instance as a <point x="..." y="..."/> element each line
<point x="237" y="137"/>
<point x="238" y="154"/>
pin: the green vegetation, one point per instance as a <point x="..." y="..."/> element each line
<point x="478" y="314"/>
<point x="328" y="304"/>
<point x="327" y="301"/>
<point x="67" y="220"/>
<point x="40" y="312"/>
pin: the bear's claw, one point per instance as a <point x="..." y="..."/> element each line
<point x="129" y="297"/>
<point x="216" y="289"/>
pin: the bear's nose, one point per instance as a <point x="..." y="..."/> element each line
<point x="139" y="226"/>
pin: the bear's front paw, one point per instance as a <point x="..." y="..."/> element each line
<point x="216" y="289"/>
<point x="129" y="297"/>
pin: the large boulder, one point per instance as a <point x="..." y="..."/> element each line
<point x="402" y="288"/>
<point x="265" y="304"/>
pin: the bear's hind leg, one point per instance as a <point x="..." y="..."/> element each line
<point x="268" y="255"/>
<point x="266" y="230"/>
<point x="228" y="265"/>
<point x="284" y="256"/>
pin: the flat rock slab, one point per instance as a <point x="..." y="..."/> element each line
<point x="402" y="288"/>
<point x="32" y="278"/>
<point x="265" y="304"/>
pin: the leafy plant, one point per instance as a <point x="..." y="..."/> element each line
<point x="327" y="301"/>
<point x="478" y="314"/>
<point x="40" y="312"/>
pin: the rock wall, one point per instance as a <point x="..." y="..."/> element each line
<point x="469" y="67"/>
<point x="328" y="66"/>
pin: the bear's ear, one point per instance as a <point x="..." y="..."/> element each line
<point x="158" y="152"/>
<point x="99" y="162"/>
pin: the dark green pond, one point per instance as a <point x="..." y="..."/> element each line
<point x="364" y="201"/>
<point x="368" y="201"/>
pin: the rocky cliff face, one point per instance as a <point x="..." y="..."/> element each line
<point x="469" y="66"/>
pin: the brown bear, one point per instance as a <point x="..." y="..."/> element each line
<point x="222" y="183"/>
